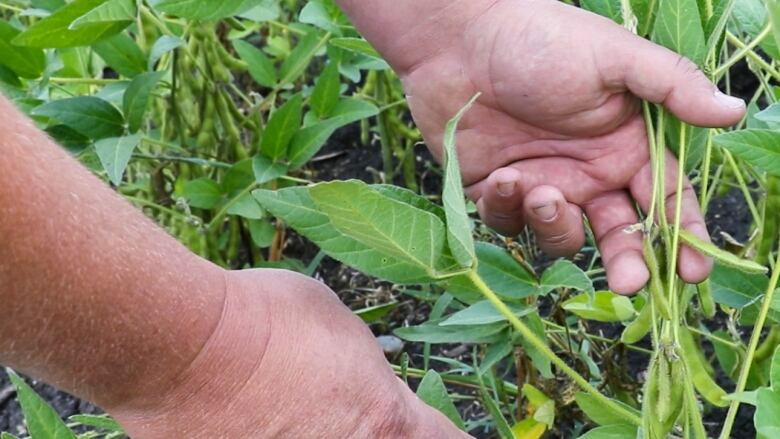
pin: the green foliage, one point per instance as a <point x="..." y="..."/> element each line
<point x="42" y="420"/>
<point x="433" y="392"/>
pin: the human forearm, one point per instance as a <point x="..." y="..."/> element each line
<point x="93" y="296"/>
<point x="408" y="31"/>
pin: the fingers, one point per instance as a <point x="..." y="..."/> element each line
<point x="692" y="266"/>
<point x="501" y="202"/>
<point x="661" y="76"/>
<point x="507" y="206"/>
<point x="427" y="422"/>
<point x="610" y="215"/>
<point x="557" y="224"/>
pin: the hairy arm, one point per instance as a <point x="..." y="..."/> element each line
<point x="93" y="296"/>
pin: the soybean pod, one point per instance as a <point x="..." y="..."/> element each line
<point x="642" y="324"/>
<point x="656" y="284"/>
<point x="705" y="385"/>
<point x="706" y="301"/>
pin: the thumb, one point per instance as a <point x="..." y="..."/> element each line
<point x="662" y="76"/>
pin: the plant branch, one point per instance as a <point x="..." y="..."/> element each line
<point x="766" y="304"/>
<point x="531" y="337"/>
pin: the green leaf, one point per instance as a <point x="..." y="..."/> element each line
<point x="713" y="30"/>
<point x="316" y="13"/>
<point x="54" y="31"/>
<point x="357" y="45"/>
<point x="564" y="274"/>
<point x="539" y="360"/>
<point x="261" y="68"/>
<point x="326" y="91"/>
<point x="136" y="98"/>
<point x="163" y="45"/>
<point x="109" y="12"/>
<point x="483" y="313"/>
<point x="773" y="8"/>
<point x="619" y="431"/>
<point x="296" y="63"/>
<point x="282" y="126"/>
<point x="502" y="273"/>
<point x="432" y="332"/>
<point x="742" y="291"/>
<point x="373" y="314"/>
<point x="24" y="61"/>
<point x="115" y="153"/>
<point x="606" y="307"/>
<point x="770" y="115"/>
<point x="307" y="142"/>
<point x="265" y="170"/>
<point x="101" y="422"/>
<point x="459" y="235"/>
<point x="246" y="207"/>
<point x="645" y="13"/>
<point x="544" y="406"/>
<point x="678" y="27"/>
<point x="504" y="430"/>
<point x="760" y="148"/>
<point x="91" y="116"/>
<point x="296" y="208"/>
<point x="607" y="8"/>
<point x="262" y="233"/>
<point x="722" y="256"/>
<point x="766" y="420"/>
<point x="352" y="110"/>
<point x="203" y="193"/>
<point x="495" y="353"/>
<point x="205" y="10"/>
<point x="774" y="373"/>
<point x="393" y="228"/>
<point x="433" y="392"/>
<point x="599" y="414"/>
<point x="42" y="420"/>
<point x="122" y="54"/>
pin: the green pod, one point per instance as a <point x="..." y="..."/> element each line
<point x="663" y="403"/>
<point x="722" y="256"/>
<point x="219" y="72"/>
<point x="638" y="329"/>
<point x="206" y="135"/>
<point x="656" y="284"/>
<point x="229" y="60"/>
<point x="705" y="385"/>
<point x="706" y="301"/>
<point x="651" y="421"/>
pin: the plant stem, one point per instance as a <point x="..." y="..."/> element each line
<point x="766" y="304"/>
<point x="753" y="56"/>
<point x="542" y="347"/>
<point x="743" y="186"/>
<point x="672" y="270"/>
<point x="743" y="51"/>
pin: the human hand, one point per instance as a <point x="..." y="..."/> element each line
<point x="287" y="360"/>
<point x="558" y="130"/>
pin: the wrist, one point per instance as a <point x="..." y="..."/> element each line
<point x="408" y="32"/>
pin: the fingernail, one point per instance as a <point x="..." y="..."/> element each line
<point x="548" y="212"/>
<point x="728" y="101"/>
<point x="506" y="189"/>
